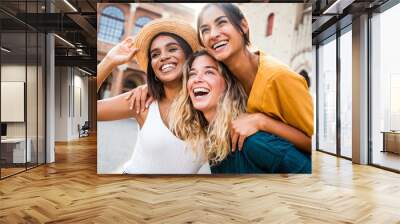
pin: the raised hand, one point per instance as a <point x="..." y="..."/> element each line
<point x="122" y="53"/>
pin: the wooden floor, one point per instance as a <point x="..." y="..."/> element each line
<point x="70" y="191"/>
<point x="5" y="172"/>
<point x="10" y="171"/>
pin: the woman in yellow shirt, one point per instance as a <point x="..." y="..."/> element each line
<point x="275" y="93"/>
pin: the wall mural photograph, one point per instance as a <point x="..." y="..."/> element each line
<point x="201" y="89"/>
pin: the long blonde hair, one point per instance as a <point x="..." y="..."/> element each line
<point x="190" y="125"/>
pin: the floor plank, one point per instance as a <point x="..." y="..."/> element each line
<point x="70" y="191"/>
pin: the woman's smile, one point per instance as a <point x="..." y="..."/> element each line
<point x="218" y="34"/>
<point x="167" y="67"/>
<point x="205" y="84"/>
<point x="220" y="46"/>
<point x="167" y="58"/>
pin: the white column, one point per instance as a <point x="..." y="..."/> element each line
<point x="50" y="99"/>
<point x="360" y="90"/>
<point x="313" y="90"/>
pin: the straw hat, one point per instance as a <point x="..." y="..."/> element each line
<point x="150" y="30"/>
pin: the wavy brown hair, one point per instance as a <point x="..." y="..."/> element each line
<point x="190" y="125"/>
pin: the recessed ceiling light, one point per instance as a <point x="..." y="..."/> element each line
<point x="86" y="72"/>
<point x="64" y="40"/>
<point x="337" y="7"/>
<point x="70" y="5"/>
<point x="5" y="49"/>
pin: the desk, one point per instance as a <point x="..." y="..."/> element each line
<point x="391" y="141"/>
<point x="16" y="147"/>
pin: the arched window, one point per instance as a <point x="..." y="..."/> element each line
<point x="111" y="25"/>
<point x="270" y="24"/>
<point x="140" y="22"/>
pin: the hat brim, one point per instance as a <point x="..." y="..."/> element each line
<point x="155" y="27"/>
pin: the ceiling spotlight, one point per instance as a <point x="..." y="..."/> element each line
<point x="337" y="7"/>
<point x="70" y="5"/>
<point x="5" y="50"/>
<point x="79" y="51"/>
<point x="84" y="71"/>
<point x="65" y="41"/>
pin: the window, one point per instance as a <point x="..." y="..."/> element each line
<point x="346" y="94"/>
<point x="385" y="89"/>
<point x="111" y="25"/>
<point x="394" y="102"/>
<point x="140" y="22"/>
<point x="327" y="97"/>
<point x="270" y="24"/>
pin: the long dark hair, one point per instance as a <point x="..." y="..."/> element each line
<point x="234" y="15"/>
<point x="156" y="88"/>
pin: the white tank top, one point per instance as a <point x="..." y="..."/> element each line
<point x="159" y="151"/>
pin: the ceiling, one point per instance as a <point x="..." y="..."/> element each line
<point x="331" y="15"/>
<point x="72" y="20"/>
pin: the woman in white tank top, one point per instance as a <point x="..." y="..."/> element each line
<point x="161" y="48"/>
<point x="158" y="151"/>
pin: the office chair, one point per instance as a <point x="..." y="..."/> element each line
<point x="84" y="130"/>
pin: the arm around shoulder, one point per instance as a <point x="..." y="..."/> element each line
<point x="116" y="108"/>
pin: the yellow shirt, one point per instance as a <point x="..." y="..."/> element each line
<point x="282" y="94"/>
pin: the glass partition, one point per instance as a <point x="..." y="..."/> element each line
<point x="346" y="94"/>
<point x="22" y="89"/>
<point x="385" y="89"/>
<point x="327" y="96"/>
<point x="31" y="99"/>
<point x="13" y="95"/>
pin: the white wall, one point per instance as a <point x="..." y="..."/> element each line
<point x="70" y="84"/>
<point x="290" y="41"/>
<point x="33" y="127"/>
<point x="80" y="84"/>
<point x="12" y="73"/>
<point x="279" y="43"/>
<point x="61" y="103"/>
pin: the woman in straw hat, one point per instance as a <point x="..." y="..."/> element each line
<point x="210" y="98"/>
<point x="161" y="48"/>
